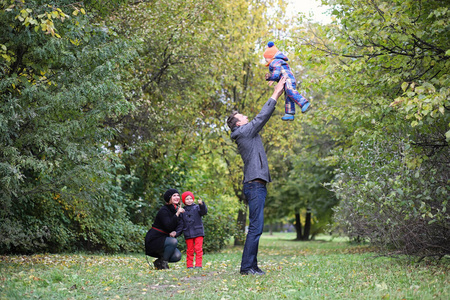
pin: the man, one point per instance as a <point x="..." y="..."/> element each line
<point x="256" y="174"/>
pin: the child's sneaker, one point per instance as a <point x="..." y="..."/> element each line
<point x="305" y="107"/>
<point x="288" y="117"/>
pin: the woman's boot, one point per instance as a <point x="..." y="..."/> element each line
<point x="158" y="264"/>
<point x="164" y="264"/>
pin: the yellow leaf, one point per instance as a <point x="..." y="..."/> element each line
<point x="405" y="86"/>
<point x="24" y="13"/>
<point x="82" y="11"/>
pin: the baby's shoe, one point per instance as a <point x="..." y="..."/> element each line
<point x="305" y="107"/>
<point x="288" y="117"/>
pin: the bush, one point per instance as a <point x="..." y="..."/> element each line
<point x="394" y="205"/>
<point x="54" y="224"/>
<point x="219" y="229"/>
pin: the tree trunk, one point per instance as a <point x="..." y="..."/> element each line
<point x="307" y="225"/>
<point x="298" y="226"/>
<point x="241" y="219"/>
<point x="270" y="229"/>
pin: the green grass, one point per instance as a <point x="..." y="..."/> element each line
<point x="320" y="269"/>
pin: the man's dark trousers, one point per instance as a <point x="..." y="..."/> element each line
<point x="255" y="193"/>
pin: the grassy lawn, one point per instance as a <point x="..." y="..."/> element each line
<point x="321" y="269"/>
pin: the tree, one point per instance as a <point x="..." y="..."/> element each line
<point x="239" y="82"/>
<point x="178" y="87"/>
<point x="58" y="83"/>
<point x="390" y="97"/>
<point x="299" y="185"/>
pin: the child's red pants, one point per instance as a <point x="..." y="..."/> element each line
<point x="194" y="245"/>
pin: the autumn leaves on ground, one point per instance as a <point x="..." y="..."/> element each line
<point x="321" y="269"/>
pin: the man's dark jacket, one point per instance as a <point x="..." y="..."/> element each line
<point x="251" y="147"/>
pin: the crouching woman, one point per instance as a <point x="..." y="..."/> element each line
<point x="160" y="241"/>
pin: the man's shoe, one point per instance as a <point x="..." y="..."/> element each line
<point x="305" y="107"/>
<point x="287" y="117"/>
<point x="257" y="271"/>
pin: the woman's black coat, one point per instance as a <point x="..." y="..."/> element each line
<point x="165" y="222"/>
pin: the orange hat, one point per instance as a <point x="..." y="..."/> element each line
<point x="185" y="194"/>
<point x="271" y="50"/>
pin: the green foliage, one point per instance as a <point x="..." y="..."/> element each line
<point x="220" y="228"/>
<point x="299" y="181"/>
<point x="386" y="73"/>
<point x="88" y="123"/>
<point x="105" y="105"/>
<point x="391" y="205"/>
<point x="184" y="83"/>
<point x="58" y="85"/>
<point x="159" y="140"/>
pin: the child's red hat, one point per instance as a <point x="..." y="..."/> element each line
<point x="271" y="50"/>
<point x="185" y="194"/>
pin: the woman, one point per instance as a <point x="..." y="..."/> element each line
<point x="160" y="241"/>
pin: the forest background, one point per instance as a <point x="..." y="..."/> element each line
<point x="106" y="104"/>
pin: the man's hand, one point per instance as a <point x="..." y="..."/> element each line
<point x="279" y="88"/>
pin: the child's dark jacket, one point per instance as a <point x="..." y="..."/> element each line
<point x="192" y="220"/>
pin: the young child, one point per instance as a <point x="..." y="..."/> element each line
<point x="278" y="67"/>
<point x="193" y="229"/>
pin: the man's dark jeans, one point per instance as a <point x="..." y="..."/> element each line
<point x="255" y="193"/>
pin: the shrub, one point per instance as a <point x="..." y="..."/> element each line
<point x="394" y="205"/>
<point x="219" y="229"/>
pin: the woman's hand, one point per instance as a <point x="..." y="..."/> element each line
<point x="173" y="233"/>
